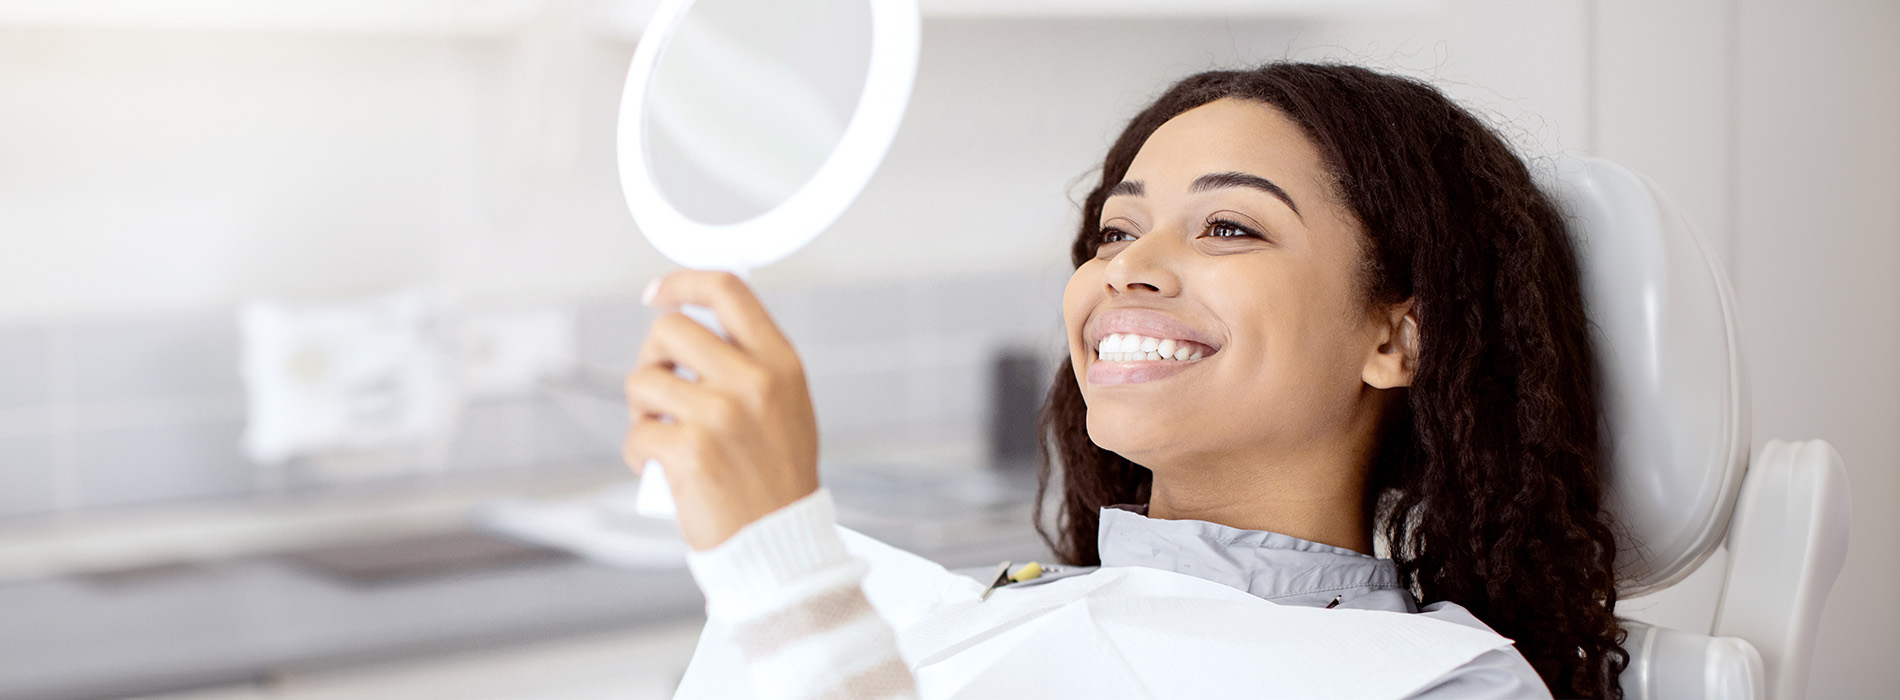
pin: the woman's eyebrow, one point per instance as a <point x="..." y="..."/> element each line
<point x="1130" y="188"/>
<point x="1215" y="181"/>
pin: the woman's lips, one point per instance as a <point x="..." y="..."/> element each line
<point x="1110" y="373"/>
<point x="1116" y="365"/>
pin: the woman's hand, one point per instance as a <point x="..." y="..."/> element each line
<point x="740" y="442"/>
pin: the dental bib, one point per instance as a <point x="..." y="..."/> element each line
<point x="1125" y="632"/>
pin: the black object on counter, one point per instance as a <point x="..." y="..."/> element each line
<point x="1018" y="381"/>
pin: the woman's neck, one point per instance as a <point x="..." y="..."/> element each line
<point x="1320" y="500"/>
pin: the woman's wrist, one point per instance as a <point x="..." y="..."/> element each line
<point x="774" y="559"/>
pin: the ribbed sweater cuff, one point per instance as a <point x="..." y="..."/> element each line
<point x="758" y="564"/>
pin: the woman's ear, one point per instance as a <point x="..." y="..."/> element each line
<point x="1394" y="358"/>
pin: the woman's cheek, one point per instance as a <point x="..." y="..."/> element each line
<point x="1080" y="295"/>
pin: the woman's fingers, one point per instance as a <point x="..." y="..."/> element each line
<point x="739" y="440"/>
<point x="674" y="421"/>
<point x="713" y="503"/>
<point x="676" y="340"/>
<point x="744" y="318"/>
<point x="653" y="391"/>
<point x="671" y="444"/>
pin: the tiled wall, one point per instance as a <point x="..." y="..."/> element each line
<point x="901" y="359"/>
<point x="109" y="412"/>
<point x="114" y="412"/>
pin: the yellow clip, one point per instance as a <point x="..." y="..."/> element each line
<point x="1029" y="571"/>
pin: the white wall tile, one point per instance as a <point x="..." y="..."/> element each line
<point x="153" y="356"/>
<point x="141" y="465"/>
<point x="494" y="434"/>
<point x="858" y="312"/>
<point x="565" y="434"/>
<point x="27" y="475"/>
<point x="1003" y="304"/>
<point x="611" y="330"/>
<point x="860" y="405"/>
<point x="25" y="367"/>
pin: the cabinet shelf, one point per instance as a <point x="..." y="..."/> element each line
<point x="502" y="17"/>
<point x="1182" y="9"/>
<point x="430" y="17"/>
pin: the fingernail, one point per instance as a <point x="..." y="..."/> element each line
<point x="653" y="287"/>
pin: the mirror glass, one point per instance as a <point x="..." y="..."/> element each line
<point x="748" y="126"/>
<point x="749" y="98"/>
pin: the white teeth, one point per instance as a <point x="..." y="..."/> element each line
<point x="1128" y="347"/>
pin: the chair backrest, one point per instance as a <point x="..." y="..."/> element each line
<point x="1675" y="398"/>
<point x="1676" y="405"/>
<point x="1676" y="410"/>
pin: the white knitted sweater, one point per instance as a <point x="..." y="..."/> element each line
<point x="790" y="594"/>
<point x="787" y="610"/>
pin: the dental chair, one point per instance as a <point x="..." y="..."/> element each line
<point x="1682" y="479"/>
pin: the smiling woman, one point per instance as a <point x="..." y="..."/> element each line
<point x="1271" y="427"/>
<point x="1311" y="303"/>
<point x="1403" y="351"/>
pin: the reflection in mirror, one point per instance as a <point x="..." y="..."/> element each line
<point x="749" y="98"/>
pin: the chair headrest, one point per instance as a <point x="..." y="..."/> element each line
<point x="1675" y="396"/>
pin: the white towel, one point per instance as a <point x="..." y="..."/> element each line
<point x="344" y="375"/>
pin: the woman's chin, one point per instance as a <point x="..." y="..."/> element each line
<point x="1129" y="432"/>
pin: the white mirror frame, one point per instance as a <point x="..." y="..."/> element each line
<point x="768" y="237"/>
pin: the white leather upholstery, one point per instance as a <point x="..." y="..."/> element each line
<point x="1672" y="370"/>
<point x="1676" y="404"/>
<point x="1786" y="546"/>
<point x="1667" y="663"/>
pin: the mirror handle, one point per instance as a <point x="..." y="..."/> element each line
<point x="655" y="499"/>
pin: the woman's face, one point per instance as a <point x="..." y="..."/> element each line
<point x="1225" y="248"/>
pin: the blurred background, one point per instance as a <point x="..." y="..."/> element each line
<point x="312" y="313"/>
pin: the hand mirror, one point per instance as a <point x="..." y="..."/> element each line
<point x="748" y="126"/>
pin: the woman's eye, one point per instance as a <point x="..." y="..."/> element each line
<point x="1111" y="234"/>
<point x="1228" y="229"/>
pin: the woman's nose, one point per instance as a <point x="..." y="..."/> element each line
<point x="1147" y="266"/>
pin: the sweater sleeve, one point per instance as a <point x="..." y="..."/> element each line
<point x="789" y="595"/>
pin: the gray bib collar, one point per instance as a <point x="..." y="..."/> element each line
<point x="1285" y="570"/>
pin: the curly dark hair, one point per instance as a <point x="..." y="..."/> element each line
<point x="1489" y="489"/>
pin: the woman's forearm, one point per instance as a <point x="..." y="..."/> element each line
<point x="790" y="594"/>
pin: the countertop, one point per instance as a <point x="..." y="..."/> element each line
<point x="140" y="606"/>
<point x="194" y="625"/>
